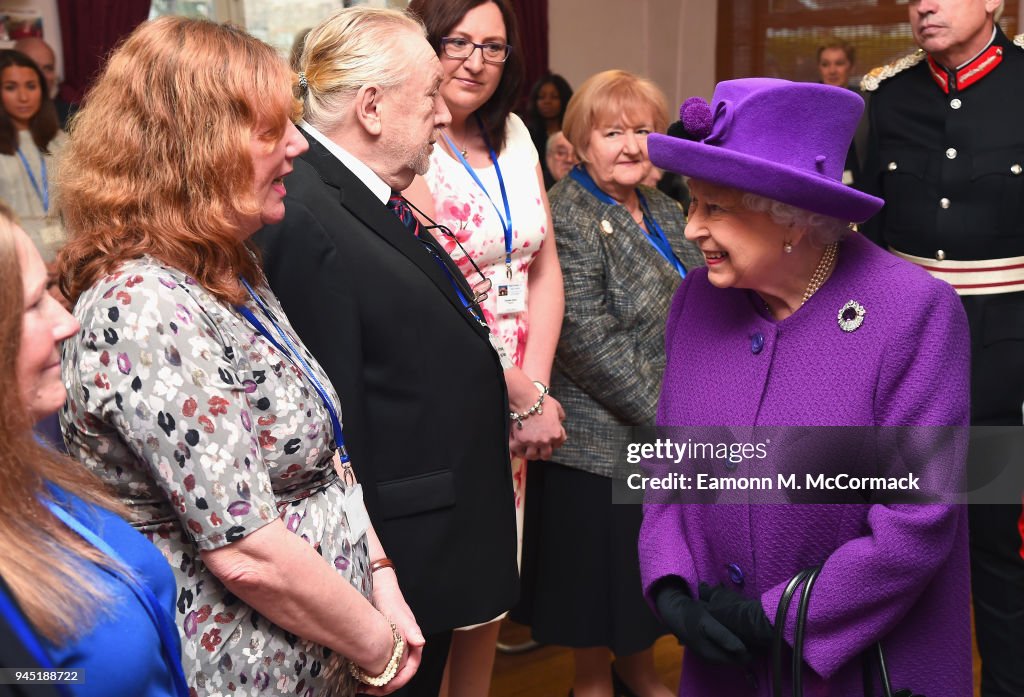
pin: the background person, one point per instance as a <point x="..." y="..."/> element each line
<point x="545" y="110"/>
<point x="559" y="156"/>
<point x="189" y="392"/>
<point x="836" y="59"/>
<point x="420" y="382"/>
<point x="76" y="592"/>
<point x="796" y="323"/>
<point x="41" y="52"/>
<point x="621" y="246"/>
<point x="485" y="185"/>
<point x="29" y="137"/>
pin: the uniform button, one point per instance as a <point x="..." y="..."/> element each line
<point x="1016" y="169"/>
<point x="951" y="153"/>
<point x="955" y="103"/>
<point x="944" y="202"/>
<point x="735" y="574"/>
<point x="940" y="255"/>
<point x="892" y="167"/>
<point x="756" y="343"/>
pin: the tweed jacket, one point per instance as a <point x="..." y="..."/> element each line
<point x="618" y="288"/>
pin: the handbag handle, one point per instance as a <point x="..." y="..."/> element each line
<point x="807" y="578"/>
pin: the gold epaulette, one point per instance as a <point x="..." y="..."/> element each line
<point x="1018" y="41"/>
<point x="871" y="81"/>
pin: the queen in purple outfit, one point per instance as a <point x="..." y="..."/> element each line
<point x="796" y="321"/>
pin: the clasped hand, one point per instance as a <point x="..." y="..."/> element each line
<point x="721" y="626"/>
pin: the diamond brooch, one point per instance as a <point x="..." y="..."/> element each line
<point x="851" y="316"/>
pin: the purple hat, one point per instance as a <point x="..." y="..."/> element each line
<point x="784" y="140"/>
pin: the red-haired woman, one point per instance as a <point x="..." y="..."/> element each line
<point x="190" y="393"/>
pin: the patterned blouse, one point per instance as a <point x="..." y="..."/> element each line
<point x="208" y="433"/>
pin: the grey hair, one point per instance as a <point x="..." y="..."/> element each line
<point x="822" y="230"/>
<point x="353" y="47"/>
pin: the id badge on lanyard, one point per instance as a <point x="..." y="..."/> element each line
<point x="511" y="294"/>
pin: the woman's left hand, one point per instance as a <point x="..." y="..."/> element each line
<point x="388" y="598"/>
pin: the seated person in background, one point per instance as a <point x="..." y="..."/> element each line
<point x="86" y="592"/>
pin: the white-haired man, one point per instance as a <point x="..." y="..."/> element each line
<point x="394" y="324"/>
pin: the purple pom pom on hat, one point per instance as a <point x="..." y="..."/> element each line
<point x="695" y="113"/>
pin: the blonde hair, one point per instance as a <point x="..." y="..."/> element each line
<point x="44" y="563"/>
<point x="606" y="95"/>
<point x="351" y="48"/>
<point x="159" y="161"/>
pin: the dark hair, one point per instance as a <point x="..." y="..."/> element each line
<point x="440" y="17"/>
<point x="847" y="48"/>
<point x="533" y="117"/>
<point x="44" y="125"/>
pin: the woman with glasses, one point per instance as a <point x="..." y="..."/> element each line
<point x="485" y="184"/>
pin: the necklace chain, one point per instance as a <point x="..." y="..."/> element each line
<point x="821" y="273"/>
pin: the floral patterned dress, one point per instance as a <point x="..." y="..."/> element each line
<point x="209" y="433"/>
<point x="461" y="206"/>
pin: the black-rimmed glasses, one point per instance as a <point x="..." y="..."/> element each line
<point x="492" y="51"/>
<point x="482" y="286"/>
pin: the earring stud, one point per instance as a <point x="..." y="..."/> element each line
<point x="787" y="247"/>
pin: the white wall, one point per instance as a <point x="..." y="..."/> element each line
<point x="670" y="41"/>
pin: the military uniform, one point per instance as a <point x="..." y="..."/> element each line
<point x="946" y="151"/>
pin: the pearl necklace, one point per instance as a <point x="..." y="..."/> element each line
<point x="821" y="273"/>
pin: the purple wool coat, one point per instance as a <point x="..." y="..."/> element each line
<point x="898" y="573"/>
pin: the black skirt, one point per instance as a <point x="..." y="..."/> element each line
<point x="581" y="570"/>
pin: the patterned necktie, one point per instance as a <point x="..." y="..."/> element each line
<point x="400" y="207"/>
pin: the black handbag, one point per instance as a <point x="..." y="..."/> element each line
<point x="874" y="655"/>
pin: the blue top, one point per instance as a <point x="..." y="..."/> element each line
<point x="122" y="654"/>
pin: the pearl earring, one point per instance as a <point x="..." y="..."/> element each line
<point x="787" y="248"/>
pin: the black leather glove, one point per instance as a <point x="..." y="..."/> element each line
<point x="694" y="626"/>
<point x="742" y="616"/>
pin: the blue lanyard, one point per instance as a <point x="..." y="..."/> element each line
<point x="164" y="625"/>
<point x="293" y="353"/>
<point x="506" y="221"/>
<point x="44" y="192"/>
<point x="656" y="235"/>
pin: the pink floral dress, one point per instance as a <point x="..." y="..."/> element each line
<point x="461" y="206"/>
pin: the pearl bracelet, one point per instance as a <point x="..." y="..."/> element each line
<point x="537" y="408"/>
<point x="389" y="670"/>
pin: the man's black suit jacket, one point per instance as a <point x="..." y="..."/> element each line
<point x="422" y="392"/>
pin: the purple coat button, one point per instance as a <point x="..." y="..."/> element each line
<point x="735" y="574"/>
<point x="756" y="343"/>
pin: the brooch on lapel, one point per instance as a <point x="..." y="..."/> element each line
<point x="606" y="227"/>
<point x="851" y="316"/>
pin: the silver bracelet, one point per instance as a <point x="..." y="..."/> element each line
<point x="537" y="408"/>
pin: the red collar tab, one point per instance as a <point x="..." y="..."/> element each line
<point x="971" y="73"/>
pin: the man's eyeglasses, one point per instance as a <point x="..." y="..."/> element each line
<point x="492" y="51"/>
<point x="482" y="286"/>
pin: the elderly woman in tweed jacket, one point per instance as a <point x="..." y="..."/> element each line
<point x="623" y="254"/>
